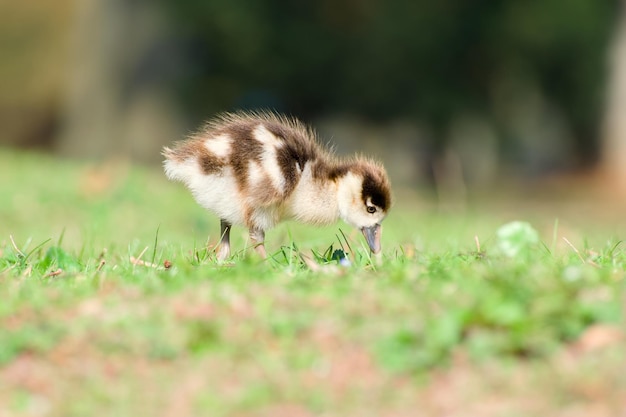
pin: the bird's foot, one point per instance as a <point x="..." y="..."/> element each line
<point x="223" y="252"/>
<point x="260" y="249"/>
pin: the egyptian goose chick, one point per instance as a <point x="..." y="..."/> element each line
<point x="257" y="169"/>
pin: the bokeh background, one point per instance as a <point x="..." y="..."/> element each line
<point x="449" y="93"/>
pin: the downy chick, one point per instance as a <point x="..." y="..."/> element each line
<point x="257" y="169"/>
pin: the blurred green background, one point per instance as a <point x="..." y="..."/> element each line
<point x="483" y="112"/>
<point x="456" y="94"/>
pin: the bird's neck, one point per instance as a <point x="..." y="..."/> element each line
<point x="314" y="200"/>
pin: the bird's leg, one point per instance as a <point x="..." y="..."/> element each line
<point x="257" y="236"/>
<point x="223" y="249"/>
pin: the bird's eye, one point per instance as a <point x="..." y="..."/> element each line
<point x="371" y="209"/>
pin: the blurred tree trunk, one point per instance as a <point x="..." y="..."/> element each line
<point x="117" y="103"/>
<point x="614" y="140"/>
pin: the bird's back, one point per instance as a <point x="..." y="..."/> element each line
<point x="240" y="163"/>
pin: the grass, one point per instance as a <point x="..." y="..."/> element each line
<point x="94" y="323"/>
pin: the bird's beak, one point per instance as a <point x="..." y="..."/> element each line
<point x="372" y="235"/>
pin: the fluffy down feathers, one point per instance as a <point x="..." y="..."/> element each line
<point x="257" y="169"/>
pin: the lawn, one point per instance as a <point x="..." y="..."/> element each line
<point x="110" y="304"/>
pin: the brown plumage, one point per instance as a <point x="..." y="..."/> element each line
<point x="257" y="169"/>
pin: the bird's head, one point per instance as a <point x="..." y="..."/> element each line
<point x="364" y="198"/>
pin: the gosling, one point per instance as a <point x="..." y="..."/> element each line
<point x="257" y="169"/>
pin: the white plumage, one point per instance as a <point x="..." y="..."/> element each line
<point x="257" y="169"/>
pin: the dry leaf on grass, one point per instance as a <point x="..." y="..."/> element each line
<point x="54" y="273"/>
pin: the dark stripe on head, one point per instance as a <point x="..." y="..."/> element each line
<point x="376" y="188"/>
